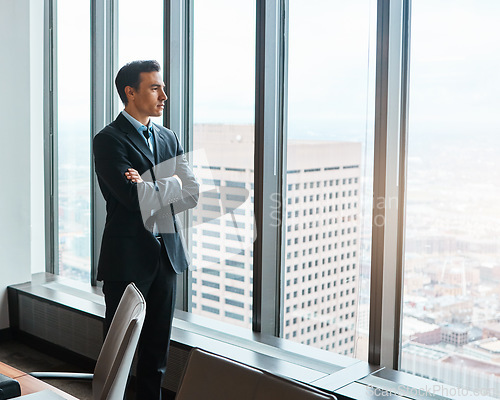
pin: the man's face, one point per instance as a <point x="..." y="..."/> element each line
<point x="149" y="99"/>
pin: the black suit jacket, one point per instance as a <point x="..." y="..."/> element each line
<point x="129" y="251"/>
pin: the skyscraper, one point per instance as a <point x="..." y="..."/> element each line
<point x="321" y="235"/>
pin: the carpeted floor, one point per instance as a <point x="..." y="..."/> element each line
<point x="26" y="358"/>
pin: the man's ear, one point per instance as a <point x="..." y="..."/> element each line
<point x="129" y="92"/>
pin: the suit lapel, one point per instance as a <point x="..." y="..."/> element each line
<point x="161" y="146"/>
<point x="134" y="137"/>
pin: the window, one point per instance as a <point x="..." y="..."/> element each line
<point x="235" y="303"/>
<point x="235" y="184"/>
<point x="210" y="207"/>
<point x="209" y="309"/>
<point x="73" y="141"/>
<point x="210" y="297"/>
<point x="235" y="290"/>
<point x="144" y="43"/>
<point x="235" y="277"/>
<point x="210" y="233"/>
<point x="210" y="246"/>
<point x="140" y="44"/>
<point x="238" y="238"/>
<point x="210" y="284"/>
<point x="236" y="264"/>
<point x="234" y="197"/>
<point x="451" y="249"/>
<point x="317" y="134"/>
<point x="233" y="315"/>
<point x="211" y="195"/>
<point x="210" y="271"/>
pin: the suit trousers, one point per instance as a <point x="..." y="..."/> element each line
<point x="159" y="292"/>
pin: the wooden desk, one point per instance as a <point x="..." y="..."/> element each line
<point x="30" y="384"/>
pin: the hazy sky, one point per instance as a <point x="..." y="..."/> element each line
<point x="455" y="81"/>
<point x="454" y="72"/>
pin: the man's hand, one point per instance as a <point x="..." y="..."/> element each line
<point x="133" y="175"/>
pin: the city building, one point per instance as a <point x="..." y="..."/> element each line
<point x="419" y="331"/>
<point x="455" y="334"/>
<point x="322" y="236"/>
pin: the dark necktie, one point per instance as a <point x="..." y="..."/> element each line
<point x="146" y="132"/>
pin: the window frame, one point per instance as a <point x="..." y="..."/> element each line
<point x="269" y="164"/>
<point x="104" y="56"/>
<point x="50" y="136"/>
<point x="389" y="182"/>
<point x="178" y="76"/>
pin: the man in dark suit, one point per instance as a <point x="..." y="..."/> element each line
<point x="145" y="179"/>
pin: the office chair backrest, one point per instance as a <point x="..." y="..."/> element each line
<point x="115" y="359"/>
<point x="208" y="376"/>
<point x="273" y="387"/>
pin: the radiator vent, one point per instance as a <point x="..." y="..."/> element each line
<point x="177" y="360"/>
<point x="61" y="326"/>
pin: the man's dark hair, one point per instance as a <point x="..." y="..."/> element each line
<point x="130" y="75"/>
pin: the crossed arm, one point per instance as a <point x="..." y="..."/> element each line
<point x="179" y="191"/>
<point x="134" y="176"/>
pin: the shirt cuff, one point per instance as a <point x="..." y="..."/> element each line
<point x="178" y="180"/>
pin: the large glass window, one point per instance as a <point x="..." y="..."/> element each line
<point x="223" y="142"/>
<point x="140" y="31"/>
<point x="452" y="271"/>
<point x="328" y="179"/>
<point x="450" y="329"/>
<point x="140" y="35"/>
<point x="73" y="139"/>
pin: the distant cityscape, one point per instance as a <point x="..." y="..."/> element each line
<point x="74" y="211"/>
<point x="451" y="324"/>
<point x="451" y="330"/>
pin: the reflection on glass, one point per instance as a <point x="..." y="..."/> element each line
<point x="330" y="156"/>
<point x="73" y="125"/>
<point x="452" y="271"/>
<point x="223" y="141"/>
